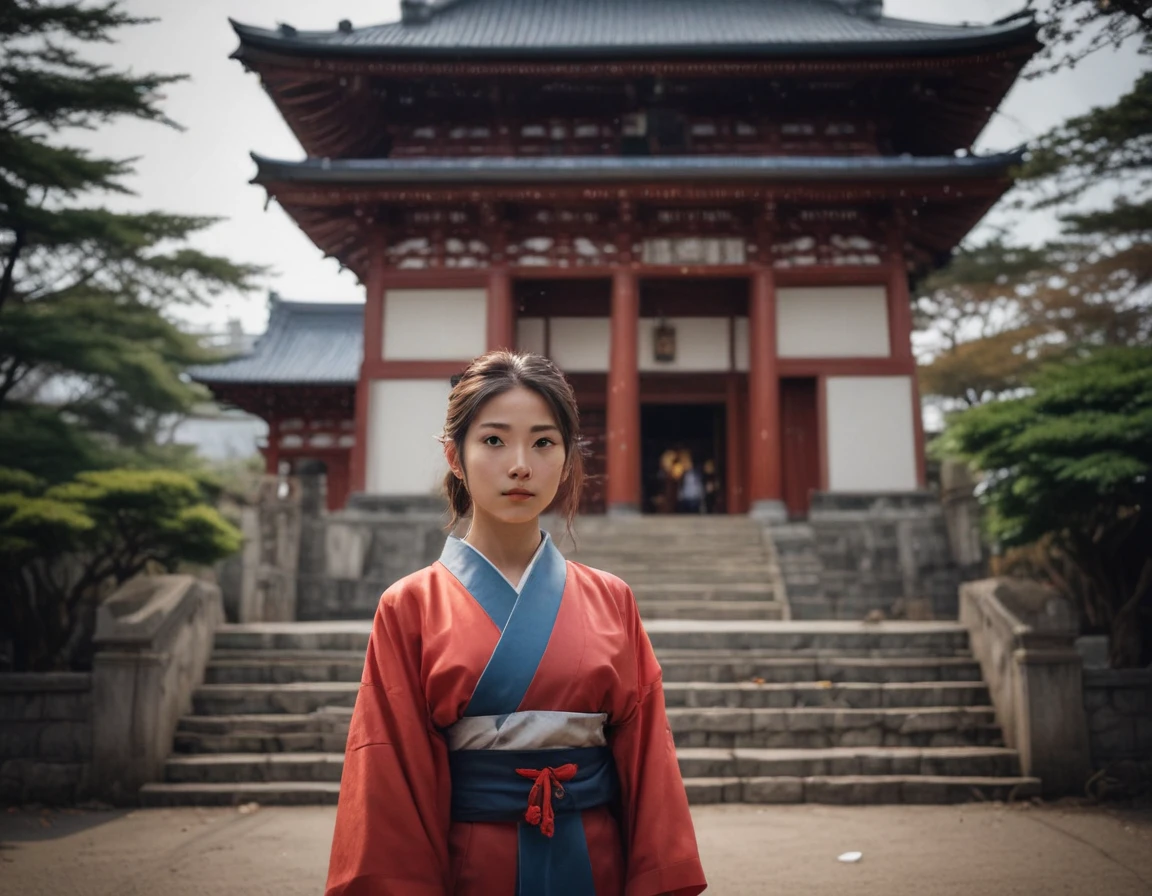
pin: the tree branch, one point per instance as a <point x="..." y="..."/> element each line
<point x="8" y="277"/>
<point x="13" y="374"/>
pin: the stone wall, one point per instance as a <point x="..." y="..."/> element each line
<point x="45" y="737"/>
<point x="1118" y="703"/>
<point x="348" y="558"/>
<point x="860" y="553"/>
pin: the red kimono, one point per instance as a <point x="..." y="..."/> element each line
<point x="431" y="642"/>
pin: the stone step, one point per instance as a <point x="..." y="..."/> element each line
<point x="912" y="639"/>
<point x="280" y="793"/>
<point x="710" y="609"/>
<point x="186" y="743"/>
<point x="820" y="727"/>
<point x="861" y="789"/>
<point x="668" y="577"/>
<point x="846" y="695"/>
<point x="843" y="637"/>
<point x="712" y="727"/>
<point x="284" y="667"/>
<point x="295" y="698"/>
<point x="681" y="555"/>
<point x="839" y="790"/>
<point x="654" y="528"/>
<point x="693" y="573"/>
<point x="939" y="761"/>
<point x="304" y="697"/>
<point x="249" y="768"/>
<point x="708" y="591"/>
<point x="683" y="666"/>
<point x="325" y="730"/>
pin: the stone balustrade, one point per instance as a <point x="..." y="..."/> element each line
<point x="154" y="637"/>
<point x="1023" y="634"/>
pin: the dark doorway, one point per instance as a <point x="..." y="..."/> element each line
<point x="672" y="438"/>
<point x="800" y="444"/>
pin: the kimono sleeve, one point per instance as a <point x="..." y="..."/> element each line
<point x="391" y="836"/>
<point x="659" y="840"/>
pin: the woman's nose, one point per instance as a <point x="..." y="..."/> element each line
<point x="520" y="469"/>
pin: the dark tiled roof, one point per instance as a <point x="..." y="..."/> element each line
<point x="573" y="28"/>
<point x="556" y="169"/>
<point x="306" y="342"/>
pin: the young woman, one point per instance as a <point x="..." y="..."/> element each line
<point x="510" y="735"/>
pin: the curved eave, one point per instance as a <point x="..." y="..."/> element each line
<point x="552" y="170"/>
<point x="205" y="380"/>
<point x="317" y="44"/>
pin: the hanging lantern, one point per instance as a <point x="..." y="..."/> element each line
<point x="664" y="343"/>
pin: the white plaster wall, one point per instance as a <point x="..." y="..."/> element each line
<point x="404" y="418"/>
<point x="871" y="440"/>
<point x="701" y="344"/>
<point x="435" y="324"/>
<point x="530" y="334"/>
<point x="741" y="344"/>
<point x="581" y="344"/>
<point x="832" y="322"/>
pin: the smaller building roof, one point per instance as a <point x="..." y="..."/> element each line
<point x="616" y="169"/>
<point x="623" y="28"/>
<point x="318" y="343"/>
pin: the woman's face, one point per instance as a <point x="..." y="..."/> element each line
<point x="514" y="457"/>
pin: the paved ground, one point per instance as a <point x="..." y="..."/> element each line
<point x="989" y="850"/>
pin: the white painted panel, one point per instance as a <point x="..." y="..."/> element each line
<point x="742" y="344"/>
<point x="832" y="322"/>
<point x="530" y="334"/>
<point x="871" y="440"/>
<point x="435" y="324"/>
<point x="405" y="417"/>
<point x="580" y="344"/>
<point x="694" y="250"/>
<point x="701" y="344"/>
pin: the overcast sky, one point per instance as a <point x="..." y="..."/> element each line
<point x="205" y="169"/>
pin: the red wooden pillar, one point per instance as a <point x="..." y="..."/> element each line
<point x="623" y="441"/>
<point x="900" y="340"/>
<point x="734" y="497"/>
<point x="899" y="305"/>
<point x="501" y="316"/>
<point x="272" y="452"/>
<point x="373" y="351"/>
<point x="765" y="494"/>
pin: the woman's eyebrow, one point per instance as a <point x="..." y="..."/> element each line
<point x="505" y="427"/>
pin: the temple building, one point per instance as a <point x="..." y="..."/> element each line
<point x="707" y="213"/>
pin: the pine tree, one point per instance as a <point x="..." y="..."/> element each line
<point x="90" y="359"/>
<point x="1069" y="466"/>
<point x="1000" y="309"/>
<point x="1074" y="29"/>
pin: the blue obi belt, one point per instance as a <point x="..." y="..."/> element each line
<point x="544" y="787"/>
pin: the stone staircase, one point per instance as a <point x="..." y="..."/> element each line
<point x="695" y="567"/>
<point x="762" y="710"/>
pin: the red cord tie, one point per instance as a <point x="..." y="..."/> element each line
<point x="546" y="785"/>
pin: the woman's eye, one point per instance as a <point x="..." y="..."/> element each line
<point x="492" y="440"/>
<point x="544" y="442"/>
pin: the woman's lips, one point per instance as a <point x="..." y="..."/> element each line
<point x="519" y="496"/>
